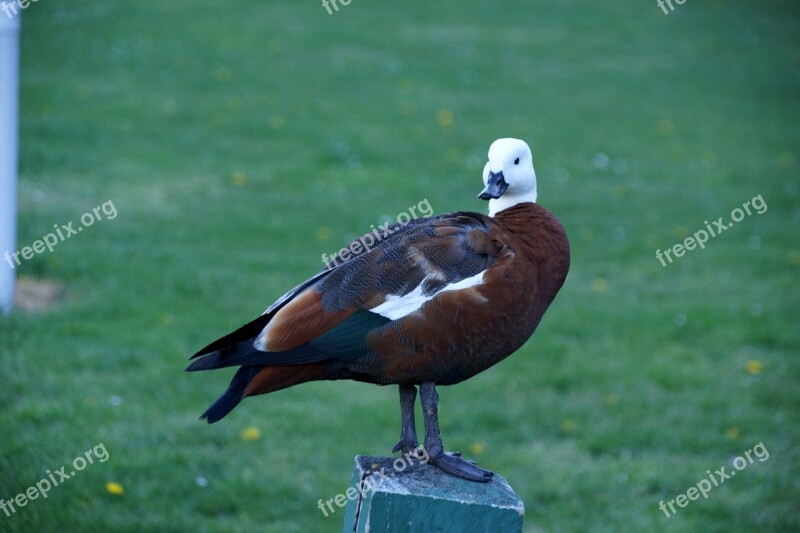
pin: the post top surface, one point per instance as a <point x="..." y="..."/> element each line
<point x="428" y="481"/>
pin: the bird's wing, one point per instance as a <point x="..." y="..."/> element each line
<point x="329" y="315"/>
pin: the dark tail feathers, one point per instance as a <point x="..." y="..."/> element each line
<point x="231" y="397"/>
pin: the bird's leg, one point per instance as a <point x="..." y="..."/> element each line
<point x="408" y="431"/>
<point x="450" y="463"/>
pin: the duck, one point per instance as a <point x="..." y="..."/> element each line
<point x="433" y="302"/>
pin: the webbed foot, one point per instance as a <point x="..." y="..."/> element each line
<point x="454" y="465"/>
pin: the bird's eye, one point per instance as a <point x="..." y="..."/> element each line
<point x="516" y="161"/>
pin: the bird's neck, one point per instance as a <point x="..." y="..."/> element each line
<point x="497" y="205"/>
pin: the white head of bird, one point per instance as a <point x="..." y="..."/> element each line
<point x="508" y="176"/>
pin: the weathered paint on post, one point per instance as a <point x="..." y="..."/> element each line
<point x="425" y="499"/>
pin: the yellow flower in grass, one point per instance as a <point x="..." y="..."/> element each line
<point x="115" y="488"/>
<point x="753" y="366"/>
<point x="251" y="433"/>
<point x="680" y="232"/>
<point x="445" y="118"/>
<point x="569" y="425"/>
<point x="732" y="433"/>
<point x="477" y="448"/>
<point x="323" y="233"/>
<point x="239" y="179"/>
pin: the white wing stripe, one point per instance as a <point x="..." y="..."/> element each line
<point x="399" y="306"/>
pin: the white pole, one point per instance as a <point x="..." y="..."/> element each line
<point x="9" y="114"/>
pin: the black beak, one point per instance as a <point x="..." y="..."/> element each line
<point x="495" y="187"/>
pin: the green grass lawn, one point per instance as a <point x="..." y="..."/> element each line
<point x="240" y="141"/>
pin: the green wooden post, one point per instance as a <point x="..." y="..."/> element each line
<point x="394" y="497"/>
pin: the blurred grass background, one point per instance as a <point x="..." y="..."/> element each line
<point x="241" y="141"/>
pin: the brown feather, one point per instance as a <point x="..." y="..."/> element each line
<point x="300" y="321"/>
<point x="275" y="378"/>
